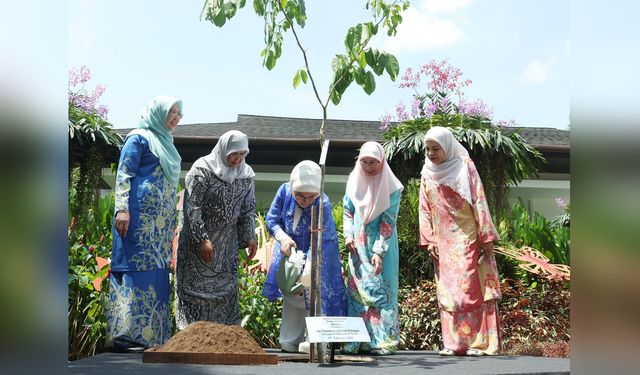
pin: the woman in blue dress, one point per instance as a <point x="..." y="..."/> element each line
<point x="371" y="205"/>
<point x="139" y="314"/>
<point x="289" y="221"/>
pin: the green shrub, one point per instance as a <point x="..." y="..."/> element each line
<point x="86" y="319"/>
<point x="419" y="317"/>
<point x="536" y="314"/>
<point x="260" y="317"/>
<point x="415" y="263"/>
<point x="536" y="231"/>
<point x="531" y="318"/>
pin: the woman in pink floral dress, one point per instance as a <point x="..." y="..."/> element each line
<point x="457" y="230"/>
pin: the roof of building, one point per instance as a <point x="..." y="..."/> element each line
<point x="302" y="130"/>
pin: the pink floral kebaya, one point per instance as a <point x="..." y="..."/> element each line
<point x="456" y="228"/>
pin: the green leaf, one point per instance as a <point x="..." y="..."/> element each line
<point x="230" y="9"/>
<point x="362" y="60"/>
<point x="258" y="7"/>
<point x="339" y="63"/>
<point x="304" y="75"/>
<point x="391" y="66"/>
<point x="219" y="18"/>
<point x="381" y="63"/>
<point x="245" y="319"/>
<point x="270" y="62"/>
<point x="360" y="76"/>
<point x="371" y="57"/>
<point x="369" y="83"/>
<point x="352" y="40"/>
<point x="296" y="79"/>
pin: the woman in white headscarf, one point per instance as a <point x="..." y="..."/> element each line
<point x="371" y="205"/>
<point x="289" y="221"/>
<point x="457" y="230"/>
<point x="139" y="311"/>
<point x="219" y="219"/>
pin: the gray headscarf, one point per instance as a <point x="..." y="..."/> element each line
<point x="230" y="142"/>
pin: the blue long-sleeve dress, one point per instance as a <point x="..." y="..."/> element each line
<point x="280" y="215"/>
<point x="139" y="312"/>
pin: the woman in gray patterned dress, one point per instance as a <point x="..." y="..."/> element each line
<point x="219" y="219"/>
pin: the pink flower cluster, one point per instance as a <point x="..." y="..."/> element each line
<point x="442" y="82"/>
<point x="560" y="202"/>
<point x="476" y="108"/>
<point x="443" y="77"/>
<point x="80" y="98"/>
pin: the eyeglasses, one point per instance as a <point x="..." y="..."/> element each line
<point x="175" y="113"/>
<point x="369" y="163"/>
<point x="305" y="198"/>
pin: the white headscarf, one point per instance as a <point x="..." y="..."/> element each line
<point x="306" y="177"/>
<point x="370" y="194"/>
<point x="230" y="142"/>
<point x="452" y="172"/>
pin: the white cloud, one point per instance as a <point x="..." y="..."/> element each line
<point x="422" y="29"/>
<point x="445" y="6"/>
<point x="537" y="71"/>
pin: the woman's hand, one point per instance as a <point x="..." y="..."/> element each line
<point x="286" y="246"/>
<point x="484" y="248"/>
<point x="376" y="262"/>
<point x="253" y="248"/>
<point x="350" y="245"/>
<point x="206" y="251"/>
<point x="433" y="250"/>
<point x="122" y="223"/>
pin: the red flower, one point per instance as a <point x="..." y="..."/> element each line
<point x="352" y="283"/>
<point x="372" y="315"/>
<point x="92" y="248"/>
<point x="386" y="229"/>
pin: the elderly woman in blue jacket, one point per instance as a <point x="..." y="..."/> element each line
<point x="289" y="221"/>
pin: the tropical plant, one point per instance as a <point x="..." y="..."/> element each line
<point x="503" y="158"/>
<point x="535" y="320"/>
<point x="260" y="317"/>
<point x="92" y="141"/>
<point x="358" y="63"/>
<point x="534" y="230"/>
<point x="564" y="219"/>
<point x="535" y="316"/>
<point x="415" y="263"/>
<point x="89" y="242"/>
<point x="419" y="317"/>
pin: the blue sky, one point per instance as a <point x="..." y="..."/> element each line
<point x="515" y="52"/>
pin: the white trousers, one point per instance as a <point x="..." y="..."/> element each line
<point x="292" y="327"/>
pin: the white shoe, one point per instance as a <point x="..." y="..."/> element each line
<point x="304" y="347"/>
<point x="474" y="352"/>
<point x="447" y="352"/>
<point x="288" y="348"/>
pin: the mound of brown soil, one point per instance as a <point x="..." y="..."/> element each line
<point x="209" y="337"/>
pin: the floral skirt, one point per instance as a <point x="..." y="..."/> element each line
<point x="139" y="312"/>
<point x="476" y="329"/>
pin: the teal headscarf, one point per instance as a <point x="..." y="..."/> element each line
<point x="153" y="126"/>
